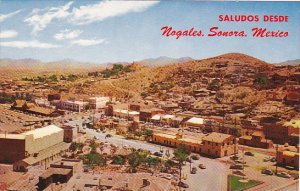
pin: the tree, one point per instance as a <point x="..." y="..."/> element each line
<point x="152" y="161"/>
<point x="118" y="159"/>
<point x="93" y="159"/>
<point x="181" y="153"/>
<point x="76" y="146"/>
<point x="135" y="159"/>
<point x="148" y="132"/>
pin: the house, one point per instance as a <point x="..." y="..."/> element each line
<point x="77" y="106"/>
<point x="218" y="145"/>
<point x="28" y="107"/>
<point x="53" y="96"/>
<point x="177" y="140"/>
<point x="288" y="156"/>
<point x="98" y="102"/>
<point x="281" y="132"/>
<point x="195" y="123"/>
<point x="257" y="139"/>
<point x="70" y="133"/>
<point x="54" y="175"/>
<point x="147" y="114"/>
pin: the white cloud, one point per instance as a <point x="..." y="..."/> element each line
<point x="28" y="44"/>
<point x="40" y="21"/>
<point x="88" y="42"/>
<point x="4" y="17"/>
<point x="8" y="34"/>
<point x="67" y="34"/>
<point x="106" y="9"/>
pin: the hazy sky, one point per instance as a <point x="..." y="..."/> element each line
<point x="126" y="31"/>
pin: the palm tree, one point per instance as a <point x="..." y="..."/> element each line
<point x="181" y="153"/>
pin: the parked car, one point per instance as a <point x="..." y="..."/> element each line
<point x="194" y="170"/>
<point x="183" y="185"/>
<point x="248" y="153"/>
<point x="234" y="157"/>
<point x="267" y="159"/>
<point x="267" y="172"/>
<point x="240" y="161"/>
<point x="273" y="159"/>
<point x="158" y="154"/>
<point x="202" y="166"/>
<point x="237" y="166"/>
<point x="195" y="157"/>
<point x="284" y="175"/>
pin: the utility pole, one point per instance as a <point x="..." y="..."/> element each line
<point x="276" y="158"/>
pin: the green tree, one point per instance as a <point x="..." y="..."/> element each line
<point x="53" y="78"/>
<point x="181" y="153"/>
<point x="118" y="159"/>
<point x="76" y="146"/>
<point x="135" y="159"/>
<point x="148" y="132"/>
<point x="153" y="161"/>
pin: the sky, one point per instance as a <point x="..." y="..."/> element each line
<point x="110" y="31"/>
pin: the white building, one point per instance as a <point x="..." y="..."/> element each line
<point x="98" y="102"/>
<point x="74" y="105"/>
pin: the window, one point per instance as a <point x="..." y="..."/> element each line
<point x="208" y="151"/>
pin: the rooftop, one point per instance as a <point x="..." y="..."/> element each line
<point x="216" y="137"/>
<point x="41" y="132"/>
<point x="294" y="123"/>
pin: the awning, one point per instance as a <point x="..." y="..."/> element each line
<point x="156" y="118"/>
<point x="169" y="116"/>
<point x="196" y="121"/>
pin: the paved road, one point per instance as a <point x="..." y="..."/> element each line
<point x="212" y="178"/>
<point x="121" y="141"/>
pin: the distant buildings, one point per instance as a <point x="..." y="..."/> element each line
<point x="257" y="139"/>
<point x="28" y="107"/>
<point x="98" y="102"/>
<point x="77" y="106"/>
<point x="288" y="156"/>
<point x="280" y="132"/>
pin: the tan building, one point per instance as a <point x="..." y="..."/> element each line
<point x="257" y="139"/>
<point x="34" y="147"/>
<point x="98" y="102"/>
<point x="177" y="140"/>
<point x="218" y="145"/>
<point x="288" y="156"/>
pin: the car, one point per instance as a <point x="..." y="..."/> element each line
<point x="158" y="154"/>
<point x="183" y="185"/>
<point x="194" y="170"/>
<point x="237" y="166"/>
<point x="195" y="157"/>
<point x="240" y="161"/>
<point x="108" y="135"/>
<point x="284" y="175"/>
<point x="234" y="157"/>
<point x="248" y="153"/>
<point x="202" y="166"/>
<point x="267" y="172"/>
<point x="267" y="159"/>
<point x="273" y="159"/>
